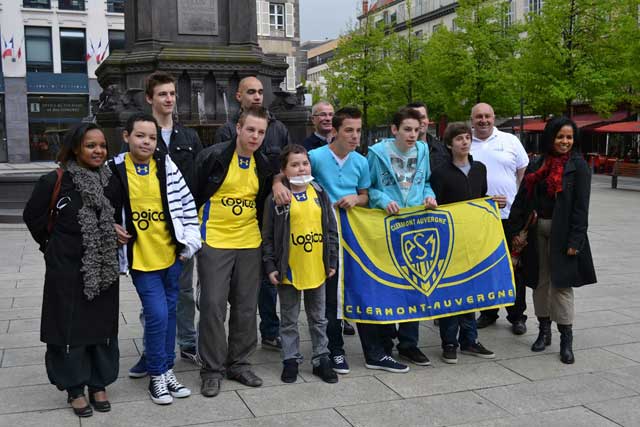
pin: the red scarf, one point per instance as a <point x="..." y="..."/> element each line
<point x="551" y="171"/>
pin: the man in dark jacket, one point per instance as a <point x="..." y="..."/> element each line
<point x="183" y="145"/>
<point x="251" y="94"/>
<point x="233" y="180"/>
<point x="321" y="117"/>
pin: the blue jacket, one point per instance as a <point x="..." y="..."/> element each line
<point x="384" y="184"/>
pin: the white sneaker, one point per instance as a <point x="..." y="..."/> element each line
<point x="158" y="390"/>
<point x="175" y="388"/>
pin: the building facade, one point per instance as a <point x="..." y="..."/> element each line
<point x="427" y="16"/>
<point x="50" y="50"/>
<point x="279" y="33"/>
<point x="318" y="58"/>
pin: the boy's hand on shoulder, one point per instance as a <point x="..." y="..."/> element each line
<point x="273" y="278"/>
<point x="332" y="272"/>
<point x="281" y="194"/>
<point x="392" y="208"/>
<point x="430" y="203"/>
<point x="347" y="202"/>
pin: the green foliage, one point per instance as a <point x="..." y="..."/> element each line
<point x="575" y="50"/>
<point x="578" y="50"/>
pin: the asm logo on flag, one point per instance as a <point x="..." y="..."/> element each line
<point x="420" y="247"/>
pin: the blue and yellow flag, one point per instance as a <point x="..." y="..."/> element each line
<point x="421" y="264"/>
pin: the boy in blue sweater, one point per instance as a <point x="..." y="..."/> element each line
<point x="400" y="178"/>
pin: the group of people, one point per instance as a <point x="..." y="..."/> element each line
<point x="258" y="213"/>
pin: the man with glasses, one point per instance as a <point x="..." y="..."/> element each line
<point x="321" y="116"/>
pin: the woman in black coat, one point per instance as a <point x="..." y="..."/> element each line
<point x="557" y="256"/>
<point x="79" y="320"/>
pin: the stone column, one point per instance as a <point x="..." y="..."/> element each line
<point x="17" y="119"/>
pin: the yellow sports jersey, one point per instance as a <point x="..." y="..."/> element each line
<point x="229" y="219"/>
<point x="306" y="264"/>
<point x="153" y="248"/>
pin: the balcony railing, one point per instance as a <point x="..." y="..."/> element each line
<point x="71" y="4"/>
<point x="115" y="6"/>
<point x="37" y="4"/>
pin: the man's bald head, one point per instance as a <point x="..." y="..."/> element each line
<point x="250" y="93"/>
<point x="483" y="119"/>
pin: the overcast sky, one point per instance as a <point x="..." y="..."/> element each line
<point x="326" y="19"/>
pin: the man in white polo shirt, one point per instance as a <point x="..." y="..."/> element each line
<point x="506" y="160"/>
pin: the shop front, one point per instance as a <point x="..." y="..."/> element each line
<point x="50" y="116"/>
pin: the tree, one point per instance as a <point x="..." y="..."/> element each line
<point x="573" y="52"/>
<point x="355" y="74"/>
<point x="473" y="63"/>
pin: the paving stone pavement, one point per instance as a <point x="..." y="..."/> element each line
<point x="517" y="388"/>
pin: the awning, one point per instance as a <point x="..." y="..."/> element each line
<point x="581" y="120"/>
<point x="621" y="127"/>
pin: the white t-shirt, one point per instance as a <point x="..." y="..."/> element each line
<point x="502" y="154"/>
<point x="166" y="136"/>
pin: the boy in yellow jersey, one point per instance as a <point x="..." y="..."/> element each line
<point x="300" y="251"/>
<point x="159" y="226"/>
<point x="232" y="180"/>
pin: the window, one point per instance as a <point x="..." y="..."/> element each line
<point x="37" y="42"/>
<point x="276" y="16"/>
<point x="116" y="39"/>
<point x="290" y="83"/>
<point x="435" y="28"/>
<point x="535" y="6"/>
<point x="419" y="33"/>
<point x="115" y="6"/>
<point x="73" y="49"/>
<point x="37" y="4"/>
<point x="509" y="13"/>
<point x="71" y="4"/>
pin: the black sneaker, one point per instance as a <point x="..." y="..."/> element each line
<point x="274" y="344"/>
<point x="158" y="390"/>
<point x="339" y="364"/>
<point x="189" y="354"/>
<point x="478" y="350"/>
<point x="289" y="371"/>
<point x="449" y="354"/>
<point x="347" y="329"/>
<point x="415" y="356"/>
<point x="389" y="364"/>
<point x="325" y="372"/>
<point x="173" y="385"/>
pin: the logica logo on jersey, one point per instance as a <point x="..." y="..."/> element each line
<point x="144" y="218"/>
<point x="306" y="240"/>
<point x="238" y="205"/>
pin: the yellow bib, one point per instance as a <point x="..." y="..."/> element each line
<point x="229" y="219"/>
<point x="153" y="248"/>
<point x="306" y="264"/>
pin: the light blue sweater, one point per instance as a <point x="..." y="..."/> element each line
<point x="384" y="184"/>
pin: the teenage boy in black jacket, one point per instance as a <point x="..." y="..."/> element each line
<point x="457" y="180"/>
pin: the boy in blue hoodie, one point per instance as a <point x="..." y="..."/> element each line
<point x="400" y="174"/>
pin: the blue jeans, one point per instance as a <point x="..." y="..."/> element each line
<point x="267" y="299"/>
<point x="465" y="324"/>
<point x="186" y="310"/>
<point x="158" y="292"/>
<point x="406" y="332"/>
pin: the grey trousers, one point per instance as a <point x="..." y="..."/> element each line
<point x="233" y="276"/>
<point x="549" y="301"/>
<point x="314" y="306"/>
<point x="186" y="311"/>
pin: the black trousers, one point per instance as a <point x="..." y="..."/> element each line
<point x="514" y="312"/>
<point x="76" y="367"/>
<point x="334" y="325"/>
